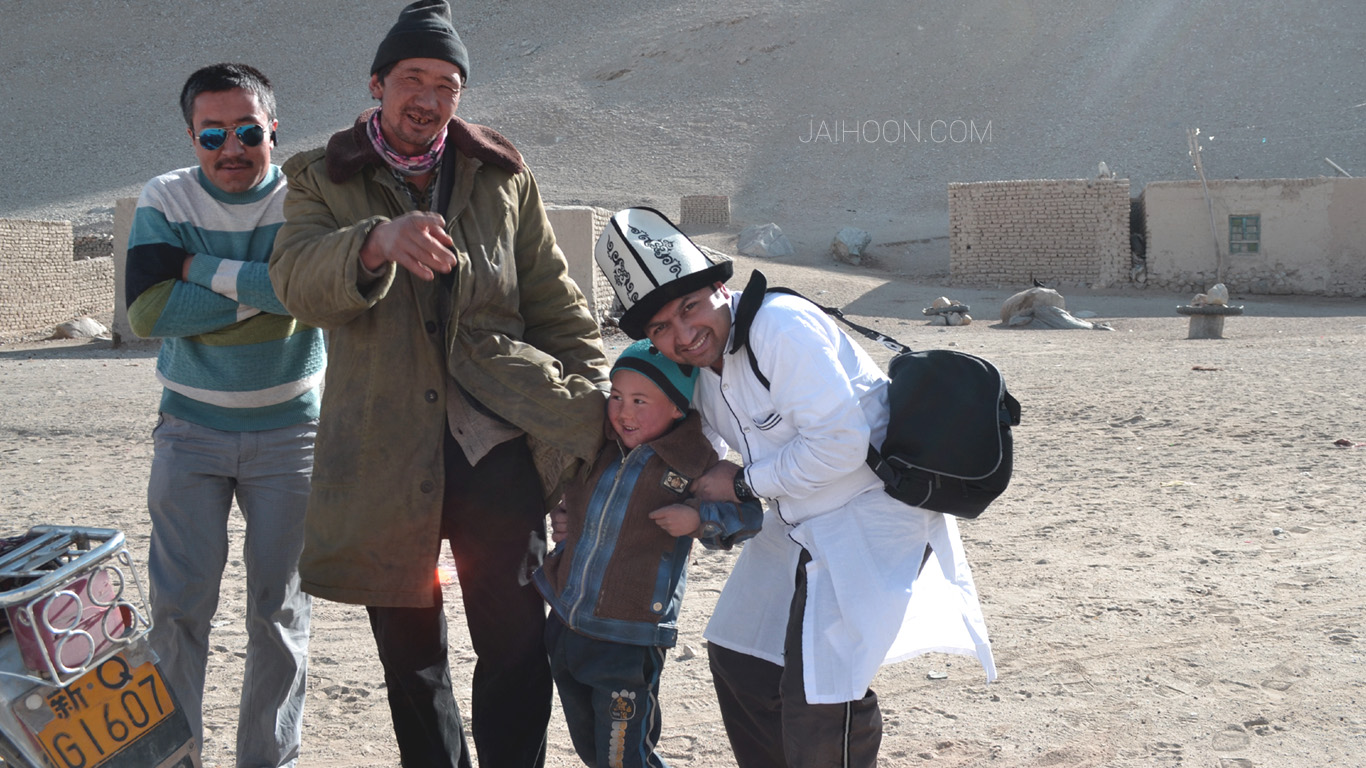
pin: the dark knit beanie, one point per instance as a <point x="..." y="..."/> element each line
<point x="674" y="380"/>
<point x="423" y="31"/>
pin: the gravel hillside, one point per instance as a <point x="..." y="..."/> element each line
<point x="813" y="115"/>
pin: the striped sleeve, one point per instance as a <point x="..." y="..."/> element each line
<point x="159" y="303"/>
<point x="246" y="282"/>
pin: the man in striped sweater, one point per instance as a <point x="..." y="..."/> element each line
<point x="239" y="408"/>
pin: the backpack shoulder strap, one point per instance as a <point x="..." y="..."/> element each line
<point x="751" y="299"/>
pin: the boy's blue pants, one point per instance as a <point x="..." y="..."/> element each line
<point x="610" y="695"/>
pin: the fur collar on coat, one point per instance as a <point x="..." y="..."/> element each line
<point x="349" y="150"/>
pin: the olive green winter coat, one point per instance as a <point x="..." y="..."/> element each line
<point x="519" y="338"/>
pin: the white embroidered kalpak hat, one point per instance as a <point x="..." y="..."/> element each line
<point x="649" y="263"/>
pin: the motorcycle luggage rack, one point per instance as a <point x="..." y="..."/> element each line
<point x="72" y="599"/>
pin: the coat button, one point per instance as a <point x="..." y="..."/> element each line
<point x="431" y="326"/>
<point x="431" y="395"/>
<point x="658" y="607"/>
<point x="427" y="486"/>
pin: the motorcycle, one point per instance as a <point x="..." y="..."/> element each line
<point x="79" y="682"/>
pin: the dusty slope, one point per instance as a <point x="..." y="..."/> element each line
<point x="617" y="103"/>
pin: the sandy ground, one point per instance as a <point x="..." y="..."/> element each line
<point x="1173" y="577"/>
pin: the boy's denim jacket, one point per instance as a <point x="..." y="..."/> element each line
<point x="617" y="575"/>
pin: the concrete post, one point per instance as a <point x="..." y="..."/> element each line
<point x="123" y="225"/>
<point x="1206" y="327"/>
<point x="573" y="225"/>
<point x="1207" y="320"/>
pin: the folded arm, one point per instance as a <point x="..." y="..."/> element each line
<point x="162" y="304"/>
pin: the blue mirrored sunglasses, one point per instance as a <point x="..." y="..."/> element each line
<point x="213" y="138"/>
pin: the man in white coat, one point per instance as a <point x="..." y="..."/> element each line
<point x="842" y="578"/>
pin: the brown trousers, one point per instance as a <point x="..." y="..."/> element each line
<point x="767" y="718"/>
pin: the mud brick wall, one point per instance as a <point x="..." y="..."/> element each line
<point x="1060" y="231"/>
<point x="704" y="211"/>
<point x="41" y="284"/>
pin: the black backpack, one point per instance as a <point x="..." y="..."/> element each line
<point x="948" y="446"/>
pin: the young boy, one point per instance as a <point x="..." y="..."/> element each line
<point x="615" y="582"/>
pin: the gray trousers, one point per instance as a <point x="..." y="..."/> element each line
<point x="196" y="473"/>
<point x="767" y="718"/>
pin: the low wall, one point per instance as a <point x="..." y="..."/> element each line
<point x="43" y="285"/>
<point x="576" y="231"/>
<point x="1061" y="231"/>
<point x="704" y="211"/>
<point x="124" y="208"/>
<point x="1312" y="237"/>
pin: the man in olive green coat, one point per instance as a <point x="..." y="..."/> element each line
<point x="466" y="380"/>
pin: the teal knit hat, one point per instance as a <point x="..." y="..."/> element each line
<point x="674" y="380"/>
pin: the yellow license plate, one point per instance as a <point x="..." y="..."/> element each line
<point x="104" y="711"/>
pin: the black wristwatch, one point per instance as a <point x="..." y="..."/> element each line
<point x="742" y="490"/>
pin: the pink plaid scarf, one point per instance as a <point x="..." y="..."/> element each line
<point x="414" y="165"/>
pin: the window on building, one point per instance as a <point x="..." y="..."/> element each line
<point x="1244" y="234"/>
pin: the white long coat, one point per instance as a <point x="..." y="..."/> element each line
<point x="804" y="442"/>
